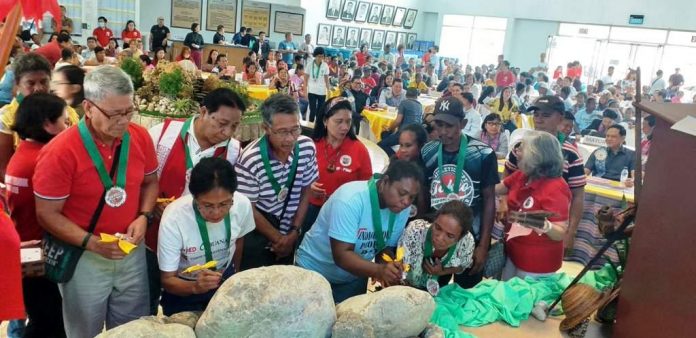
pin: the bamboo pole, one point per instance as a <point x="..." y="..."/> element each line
<point x="8" y="34"/>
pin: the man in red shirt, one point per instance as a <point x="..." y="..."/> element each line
<point x="103" y="33"/>
<point x="52" y="51"/>
<point x="11" y="276"/>
<point x="504" y="77"/>
<point x="72" y="176"/>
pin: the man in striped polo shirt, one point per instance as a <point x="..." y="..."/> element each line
<point x="275" y="173"/>
<point x="548" y="115"/>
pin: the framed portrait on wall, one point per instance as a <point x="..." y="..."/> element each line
<point x="375" y="13"/>
<point x="410" y="18"/>
<point x="352" y="37"/>
<point x="363" y="10"/>
<point x="387" y="15"/>
<point x="333" y="9"/>
<point x="338" y="38"/>
<point x="401" y="39"/>
<point x="399" y="17"/>
<point x="377" y="40"/>
<point x="411" y="41"/>
<point x="349" y="8"/>
<point x="365" y="36"/>
<point x="391" y="39"/>
<point x="323" y="35"/>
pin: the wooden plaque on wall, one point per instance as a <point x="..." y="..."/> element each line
<point x="256" y="15"/>
<point x="221" y="12"/>
<point x="186" y="12"/>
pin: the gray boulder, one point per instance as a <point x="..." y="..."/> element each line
<point x="353" y="325"/>
<point x="433" y="331"/>
<point x="395" y="312"/>
<point x="188" y="318"/>
<point x="275" y="301"/>
<point x="149" y="327"/>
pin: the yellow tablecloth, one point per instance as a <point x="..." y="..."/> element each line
<point x="379" y="120"/>
<point x="260" y="92"/>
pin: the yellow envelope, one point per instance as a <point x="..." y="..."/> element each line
<point x="198" y="267"/>
<point x="123" y="244"/>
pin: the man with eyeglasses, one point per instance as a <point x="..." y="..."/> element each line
<point x="100" y="175"/>
<point x="180" y="145"/>
<point x="548" y="113"/>
<point x="275" y="173"/>
<point x="358" y="101"/>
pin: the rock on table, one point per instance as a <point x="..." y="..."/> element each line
<point x="276" y="301"/>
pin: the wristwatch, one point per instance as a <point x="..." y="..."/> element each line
<point x="149" y="217"/>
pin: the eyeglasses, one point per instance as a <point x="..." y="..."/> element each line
<point x="493" y="124"/>
<point x="125" y="115"/>
<point x="207" y="208"/>
<point x="294" y="132"/>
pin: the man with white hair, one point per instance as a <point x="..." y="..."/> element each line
<point x="95" y="179"/>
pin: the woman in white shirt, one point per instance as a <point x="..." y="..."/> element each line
<point x="205" y="227"/>
<point x="317" y="80"/>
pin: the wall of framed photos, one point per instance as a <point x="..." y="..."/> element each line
<point x="353" y="23"/>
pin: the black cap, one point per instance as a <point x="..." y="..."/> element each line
<point x="548" y="103"/>
<point x="449" y="110"/>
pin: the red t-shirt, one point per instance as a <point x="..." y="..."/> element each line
<point x="361" y="58"/>
<point x="103" y="36"/>
<point x="368" y="83"/>
<point x="504" y="78"/>
<point x="134" y="34"/>
<point x="352" y="163"/>
<point x="11" y="277"/>
<point x="50" y="51"/>
<point x="537" y="253"/>
<point x="65" y="172"/>
<point x="20" y="193"/>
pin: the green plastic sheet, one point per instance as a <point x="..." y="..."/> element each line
<point x="511" y="301"/>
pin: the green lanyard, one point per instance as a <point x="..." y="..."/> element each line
<point x="203" y="230"/>
<point x="461" y="159"/>
<point x="91" y="147"/>
<point x="315" y="74"/>
<point x="561" y="137"/>
<point x="377" y="216"/>
<point x="263" y="145"/>
<point x="184" y="130"/>
<point x="182" y="135"/>
<point x="428" y="249"/>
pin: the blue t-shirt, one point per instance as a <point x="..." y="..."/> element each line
<point x="583" y="118"/>
<point x="347" y="217"/>
<point x="285" y="45"/>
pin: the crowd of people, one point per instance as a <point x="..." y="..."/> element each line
<point x="197" y="206"/>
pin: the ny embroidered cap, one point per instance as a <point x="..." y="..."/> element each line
<point x="548" y="103"/>
<point x="449" y="110"/>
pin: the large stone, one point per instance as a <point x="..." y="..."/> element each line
<point x="276" y="301"/>
<point x="433" y="331"/>
<point x="353" y="325"/>
<point x="395" y="312"/>
<point x="188" y="318"/>
<point x="148" y="328"/>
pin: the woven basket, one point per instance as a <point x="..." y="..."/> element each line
<point x="579" y="302"/>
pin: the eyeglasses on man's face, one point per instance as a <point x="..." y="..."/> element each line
<point x="115" y="115"/>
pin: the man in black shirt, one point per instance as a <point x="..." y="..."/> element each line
<point x="159" y="35"/>
<point x="248" y="38"/>
<point x="460" y="167"/>
<point x="219" y="37"/>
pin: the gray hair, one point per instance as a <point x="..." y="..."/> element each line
<point x="278" y="104"/>
<point x="107" y="80"/>
<point x="541" y="155"/>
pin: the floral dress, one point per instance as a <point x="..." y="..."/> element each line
<point x="413" y="242"/>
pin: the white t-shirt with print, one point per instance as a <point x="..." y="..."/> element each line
<point x="180" y="245"/>
<point x="316" y="84"/>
